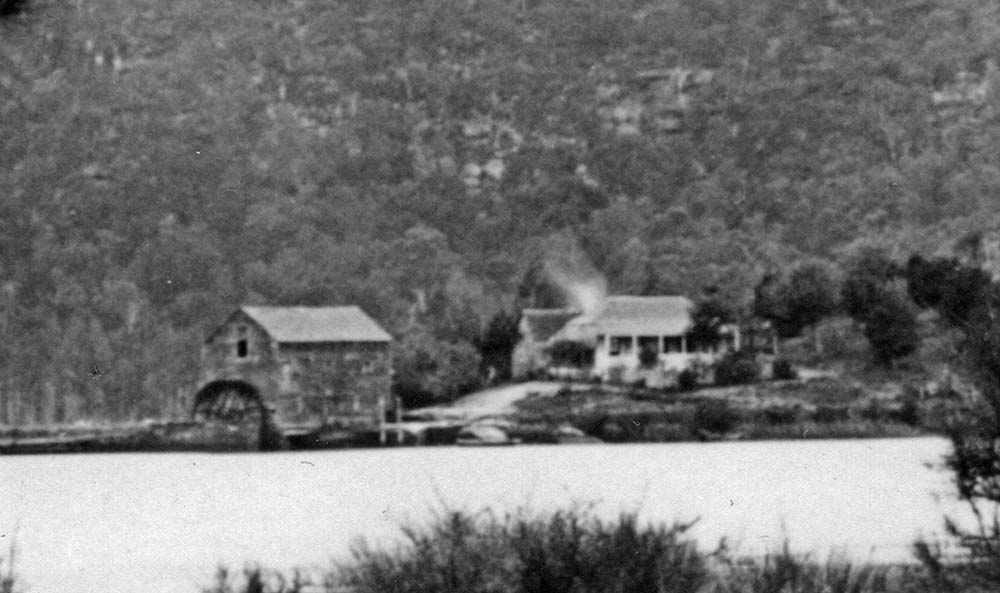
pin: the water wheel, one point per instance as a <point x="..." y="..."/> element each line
<point x="229" y="401"/>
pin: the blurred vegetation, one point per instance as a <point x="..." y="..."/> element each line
<point x="574" y="551"/>
<point x="163" y="162"/>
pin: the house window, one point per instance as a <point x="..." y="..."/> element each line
<point x="620" y="345"/>
<point x="673" y="344"/>
<point x="651" y="343"/>
<point x="729" y="341"/>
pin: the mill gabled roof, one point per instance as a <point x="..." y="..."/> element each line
<point x="317" y="324"/>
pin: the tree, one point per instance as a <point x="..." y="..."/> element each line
<point x="707" y="319"/>
<point x="927" y="280"/>
<point x="770" y="302"/>
<point x="947" y="286"/>
<point x="497" y="343"/>
<point x="429" y="370"/>
<point x="891" y="326"/>
<point x="867" y="275"/>
<point x="801" y="300"/>
<point x="975" y="433"/>
<point x="873" y="295"/>
<point x="812" y="294"/>
<point x="10" y="8"/>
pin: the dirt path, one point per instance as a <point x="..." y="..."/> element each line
<point x="495" y="401"/>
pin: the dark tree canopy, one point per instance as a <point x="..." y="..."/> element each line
<point x="498" y="341"/>
<point x="891" y="326"/>
<point x="868" y="273"/>
<point x="799" y="300"/>
<point x="812" y="293"/>
<point x="949" y="287"/>
<point x="975" y="430"/>
<point x="707" y="319"/>
<point x="10" y="8"/>
<point x="771" y="303"/>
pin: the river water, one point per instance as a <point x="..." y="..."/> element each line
<point x="161" y="523"/>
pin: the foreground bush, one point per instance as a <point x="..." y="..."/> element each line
<point x="576" y="552"/>
<point x="568" y="551"/>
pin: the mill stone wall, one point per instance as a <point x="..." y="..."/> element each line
<point x="307" y="385"/>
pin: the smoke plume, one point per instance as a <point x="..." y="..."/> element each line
<point x="569" y="268"/>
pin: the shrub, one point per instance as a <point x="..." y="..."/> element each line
<point x="575" y="552"/>
<point x="687" y="380"/>
<point x="564" y="551"/>
<point x="781" y="414"/>
<point x="714" y="415"/>
<point x="253" y="580"/>
<point x="830" y="414"/>
<point x="784" y="571"/>
<point x="908" y="413"/>
<point x="782" y="370"/>
<point x="873" y="411"/>
<point x="736" y="368"/>
<point x="665" y="432"/>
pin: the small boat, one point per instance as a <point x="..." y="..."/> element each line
<point x="567" y="434"/>
<point x="483" y="436"/>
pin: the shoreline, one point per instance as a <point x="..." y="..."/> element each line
<point x="58" y="445"/>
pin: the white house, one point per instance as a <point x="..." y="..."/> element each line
<point x="625" y="326"/>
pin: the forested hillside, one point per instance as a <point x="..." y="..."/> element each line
<point x="161" y="162"/>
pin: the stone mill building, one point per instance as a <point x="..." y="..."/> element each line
<point x="309" y="366"/>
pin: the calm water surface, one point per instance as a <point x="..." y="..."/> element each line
<point x="158" y="523"/>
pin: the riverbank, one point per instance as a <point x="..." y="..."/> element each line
<point x="140" y="437"/>
<point x="823" y="407"/>
<point x="819" y="408"/>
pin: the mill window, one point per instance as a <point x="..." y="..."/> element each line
<point x="242" y="346"/>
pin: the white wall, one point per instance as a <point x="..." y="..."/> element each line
<point x="628" y="360"/>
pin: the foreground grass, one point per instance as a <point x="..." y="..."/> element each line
<point x="576" y="552"/>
